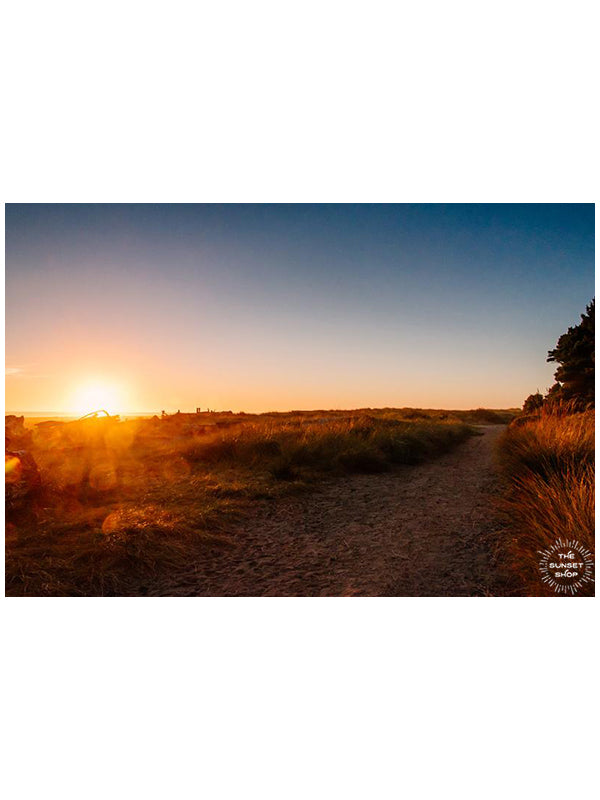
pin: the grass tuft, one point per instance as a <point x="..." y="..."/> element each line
<point x="548" y="463"/>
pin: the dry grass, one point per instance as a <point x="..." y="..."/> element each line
<point x="549" y="466"/>
<point x="123" y="505"/>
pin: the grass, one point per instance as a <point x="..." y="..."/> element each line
<point x="548" y="463"/>
<point x="304" y="449"/>
<point x="124" y="505"/>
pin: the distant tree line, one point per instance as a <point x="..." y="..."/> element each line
<point x="574" y="376"/>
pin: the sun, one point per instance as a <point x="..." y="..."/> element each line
<point x="95" y="395"/>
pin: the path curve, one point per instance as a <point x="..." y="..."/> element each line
<point x="422" y="530"/>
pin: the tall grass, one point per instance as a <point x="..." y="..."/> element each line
<point x="123" y="505"/>
<point x="302" y="450"/>
<point x="548" y="463"/>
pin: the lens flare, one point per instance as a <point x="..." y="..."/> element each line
<point x="12" y="468"/>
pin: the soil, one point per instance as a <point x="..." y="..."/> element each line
<point x="425" y="530"/>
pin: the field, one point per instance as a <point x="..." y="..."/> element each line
<point x="548" y="464"/>
<point x="119" y="504"/>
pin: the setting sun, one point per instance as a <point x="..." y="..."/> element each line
<point x="95" y="395"/>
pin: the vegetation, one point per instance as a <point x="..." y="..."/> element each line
<point x="549" y="466"/>
<point x="547" y="456"/>
<point x="533" y="403"/>
<point x="121" y="505"/>
<point x="574" y="353"/>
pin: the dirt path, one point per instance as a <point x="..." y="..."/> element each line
<point x="421" y="531"/>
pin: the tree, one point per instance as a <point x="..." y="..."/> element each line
<point x="554" y="392"/>
<point x="574" y="353"/>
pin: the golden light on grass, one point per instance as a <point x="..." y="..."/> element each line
<point x="126" y="504"/>
<point x="549" y="466"/>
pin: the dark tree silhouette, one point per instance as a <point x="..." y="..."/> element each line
<point x="533" y="402"/>
<point x="554" y="392"/>
<point x="574" y="352"/>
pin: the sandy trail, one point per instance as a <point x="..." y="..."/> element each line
<point x="423" y="530"/>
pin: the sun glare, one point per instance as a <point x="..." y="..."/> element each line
<point x="96" y="395"/>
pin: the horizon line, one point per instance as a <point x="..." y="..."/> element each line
<point x="268" y="411"/>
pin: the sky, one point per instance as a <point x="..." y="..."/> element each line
<point x="278" y="307"/>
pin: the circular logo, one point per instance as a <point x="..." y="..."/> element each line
<point x="566" y="566"/>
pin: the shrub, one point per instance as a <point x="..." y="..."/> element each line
<point x="533" y="403"/>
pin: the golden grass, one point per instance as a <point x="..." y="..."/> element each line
<point x="123" y="505"/>
<point x="549" y="466"/>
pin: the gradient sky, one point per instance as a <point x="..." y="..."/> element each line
<point x="278" y="307"/>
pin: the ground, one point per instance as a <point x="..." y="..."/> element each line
<point x="421" y="530"/>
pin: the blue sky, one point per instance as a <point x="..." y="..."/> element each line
<point x="258" y="307"/>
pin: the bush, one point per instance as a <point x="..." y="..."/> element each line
<point x="533" y="403"/>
